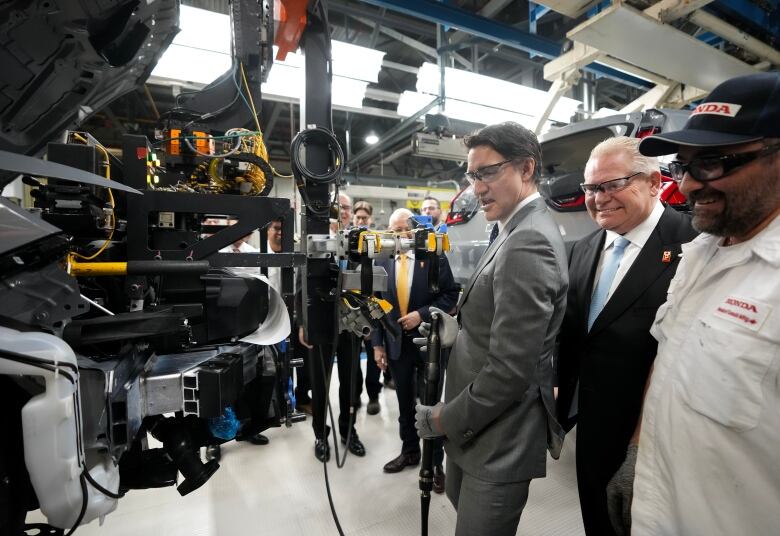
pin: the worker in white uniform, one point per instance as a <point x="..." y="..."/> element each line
<point x="708" y="456"/>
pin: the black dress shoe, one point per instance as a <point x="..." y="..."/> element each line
<point x="373" y="406"/>
<point x="356" y="446"/>
<point x="438" y="479"/>
<point x="322" y="450"/>
<point x="396" y="465"/>
<point x="256" y="439"/>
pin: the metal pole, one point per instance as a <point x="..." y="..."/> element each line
<point x="431" y="397"/>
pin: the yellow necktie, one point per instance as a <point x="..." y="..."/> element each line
<point x="402" y="284"/>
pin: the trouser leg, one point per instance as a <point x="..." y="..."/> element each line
<point x="489" y="508"/>
<point x="403" y="370"/>
<point x="320" y="364"/>
<point x="452" y="484"/>
<point x="348" y="345"/>
<point x="372" y="373"/>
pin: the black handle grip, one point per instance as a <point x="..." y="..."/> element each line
<point x="433" y="272"/>
<point x="167" y="267"/>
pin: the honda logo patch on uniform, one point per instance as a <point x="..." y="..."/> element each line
<point x="717" y="108"/>
<point x="746" y="312"/>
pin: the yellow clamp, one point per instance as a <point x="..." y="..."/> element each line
<point x="377" y="241"/>
<point x="445" y="242"/>
<point x="384" y="304"/>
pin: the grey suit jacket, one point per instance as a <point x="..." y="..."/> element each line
<point x="499" y="413"/>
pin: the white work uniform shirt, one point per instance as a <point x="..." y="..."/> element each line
<point x="637" y="238"/>
<point x="709" y="449"/>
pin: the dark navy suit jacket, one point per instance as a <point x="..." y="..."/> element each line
<point x="421" y="299"/>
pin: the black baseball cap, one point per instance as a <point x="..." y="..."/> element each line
<point x="740" y="110"/>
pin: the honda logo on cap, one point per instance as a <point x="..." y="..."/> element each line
<point x="717" y="108"/>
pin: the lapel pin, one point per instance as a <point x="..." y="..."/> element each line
<point x="667" y="257"/>
<point x="422" y="264"/>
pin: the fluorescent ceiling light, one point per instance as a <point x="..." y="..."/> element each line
<point x="360" y="63"/>
<point x="411" y="102"/>
<point x="491" y="93"/>
<point x="200" y="53"/>
<point x="188" y="64"/>
<point x="203" y="29"/>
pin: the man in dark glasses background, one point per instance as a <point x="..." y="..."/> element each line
<point x="708" y="446"/>
<point x="618" y="277"/>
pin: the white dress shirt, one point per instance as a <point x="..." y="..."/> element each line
<point x="245" y="247"/>
<point x="521" y="204"/>
<point x="638" y="238"/>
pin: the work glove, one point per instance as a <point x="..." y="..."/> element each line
<point x="448" y="330"/>
<point x="423" y="421"/>
<point x="620" y="493"/>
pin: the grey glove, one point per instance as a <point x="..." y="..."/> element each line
<point x="448" y="330"/>
<point x="620" y="493"/>
<point x="423" y="421"/>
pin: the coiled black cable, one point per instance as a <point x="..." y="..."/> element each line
<point x="303" y="175"/>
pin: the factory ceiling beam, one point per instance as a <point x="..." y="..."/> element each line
<point x="671" y="10"/>
<point x="440" y="13"/>
<point x="495" y="32"/>
<point x="734" y="35"/>
<point x="414" y="43"/>
<point x="490" y="10"/>
<point x="389" y="20"/>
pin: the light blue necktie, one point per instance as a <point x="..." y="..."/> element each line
<point x="608" y="271"/>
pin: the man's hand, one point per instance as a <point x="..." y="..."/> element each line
<point x="302" y="338"/>
<point x="620" y="493"/>
<point x="448" y="330"/>
<point x="410" y="321"/>
<point x="380" y="357"/>
<point x="427" y="420"/>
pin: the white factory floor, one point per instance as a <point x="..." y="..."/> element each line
<point x="279" y="489"/>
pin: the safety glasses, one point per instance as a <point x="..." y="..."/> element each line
<point x="712" y="168"/>
<point x="486" y="173"/>
<point x="608" y="187"/>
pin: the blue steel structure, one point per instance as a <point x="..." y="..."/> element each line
<point x="469" y="22"/>
<point x="766" y="19"/>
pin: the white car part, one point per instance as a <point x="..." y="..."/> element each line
<point x="51" y="424"/>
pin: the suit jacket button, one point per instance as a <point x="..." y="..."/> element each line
<point x="468" y="434"/>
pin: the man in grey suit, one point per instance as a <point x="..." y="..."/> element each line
<point x="498" y="417"/>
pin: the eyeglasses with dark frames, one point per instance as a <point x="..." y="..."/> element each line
<point x="712" y="168"/>
<point x="609" y="187"/>
<point x="486" y="173"/>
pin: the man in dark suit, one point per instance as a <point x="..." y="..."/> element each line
<point x="408" y="292"/>
<point x="499" y="411"/>
<point x="618" y="277"/>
